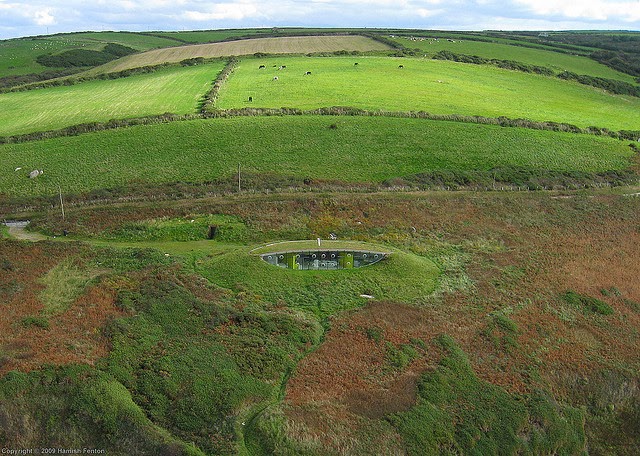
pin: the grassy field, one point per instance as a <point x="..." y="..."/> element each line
<point x="285" y="45"/>
<point x="18" y="56"/>
<point x="423" y="84"/>
<point x="368" y="149"/>
<point x="175" y="90"/>
<point x="547" y="58"/>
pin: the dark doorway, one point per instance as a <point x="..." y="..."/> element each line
<point x="213" y="229"/>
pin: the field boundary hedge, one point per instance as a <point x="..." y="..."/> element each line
<point x="104" y="76"/>
<point x="610" y="85"/>
<point x="501" y="179"/>
<point x="211" y="96"/>
<point x="89" y="127"/>
<point x="501" y="121"/>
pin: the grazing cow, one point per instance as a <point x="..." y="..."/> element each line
<point x="275" y="78"/>
<point x="355" y="64"/>
<point x="308" y="72"/>
<point x="250" y="99"/>
<point x="400" y="66"/>
<point x="262" y="67"/>
<point x="283" y="67"/>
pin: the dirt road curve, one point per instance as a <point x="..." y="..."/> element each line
<point x="17" y="231"/>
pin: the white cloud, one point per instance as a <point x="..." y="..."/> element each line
<point x="18" y="18"/>
<point x="591" y="10"/>
<point x="44" y="17"/>
<point x="20" y="14"/>
<point x="424" y="13"/>
<point x="222" y="11"/>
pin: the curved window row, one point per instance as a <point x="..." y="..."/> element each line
<point x="323" y="259"/>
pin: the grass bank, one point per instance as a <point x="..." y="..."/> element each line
<point x="423" y="84"/>
<point x="367" y="149"/>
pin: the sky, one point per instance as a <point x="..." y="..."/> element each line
<point x="40" y="17"/>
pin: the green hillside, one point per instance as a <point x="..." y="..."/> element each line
<point x="280" y="45"/>
<point x="424" y="85"/>
<point x="365" y="149"/>
<point x="547" y="58"/>
<point x="18" y="56"/>
<point x="177" y="90"/>
<point x="138" y="317"/>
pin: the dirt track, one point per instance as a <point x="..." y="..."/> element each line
<point x="18" y="231"/>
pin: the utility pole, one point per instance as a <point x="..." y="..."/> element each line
<point x="61" y="202"/>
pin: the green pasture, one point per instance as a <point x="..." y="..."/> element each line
<point x="555" y="60"/>
<point x="357" y="149"/>
<point x="439" y="87"/>
<point x="18" y="56"/>
<point x="177" y="90"/>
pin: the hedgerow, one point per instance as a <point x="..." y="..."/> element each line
<point x="610" y="85"/>
<point x="506" y="64"/>
<point x="74" y="130"/>
<point x="211" y="96"/>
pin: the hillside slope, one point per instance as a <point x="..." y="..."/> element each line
<point x="285" y="45"/>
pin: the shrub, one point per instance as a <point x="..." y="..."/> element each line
<point x="118" y="50"/>
<point x="75" y="58"/>
<point x="40" y="322"/>
<point x="374" y="333"/>
<point x="84" y="57"/>
<point x="610" y="85"/>
<point x="192" y="62"/>
<point x="587" y="303"/>
<point x="458" y="413"/>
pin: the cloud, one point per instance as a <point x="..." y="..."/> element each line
<point x="24" y="15"/>
<point x="222" y="11"/>
<point x="39" y="16"/>
<point x="424" y="13"/>
<point x="44" y="17"/>
<point x="590" y="10"/>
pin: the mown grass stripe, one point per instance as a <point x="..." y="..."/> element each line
<point x="177" y="90"/>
